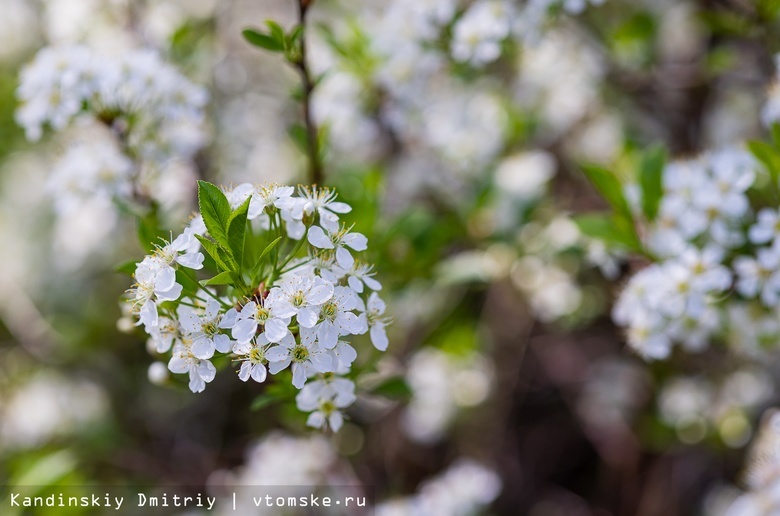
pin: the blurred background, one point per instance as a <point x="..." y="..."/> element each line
<point x="455" y="129"/>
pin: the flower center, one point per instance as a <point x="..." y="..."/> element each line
<point x="329" y="310"/>
<point x="209" y="328"/>
<point x="298" y="298"/>
<point x="327" y="407"/>
<point x="256" y="356"/>
<point x="262" y="314"/>
<point x="300" y="353"/>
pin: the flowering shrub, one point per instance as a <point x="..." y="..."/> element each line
<point x="153" y="109"/>
<point x="132" y="126"/>
<point x="455" y="128"/>
<point x="284" y="291"/>
<point x="708" y="227"/>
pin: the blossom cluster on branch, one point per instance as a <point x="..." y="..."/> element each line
<point x="286" y="293"/>
<point x="132" y="125"/>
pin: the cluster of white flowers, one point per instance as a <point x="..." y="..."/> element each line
<point x="66" y="405"/>
<point x="704" y="201"/>
<point x="299" y="320"/>
<point x="466" y="487"/>
<point x="674" y="301"/>
<point x="478" y="34"/>
<point x="268" y="462"/>
<point x="559" y="80"/>
<point x="695" y="406"/>
<point x="762" y="475"/>
<point x="752" y="328"/>
<point x="447" y="125"/>
<point x="131" y="125"/>
<point x="159" y="110"/>
<point x="89" y="173"/>
<point x="709" y="241"/>
<point x="442" y="384"/>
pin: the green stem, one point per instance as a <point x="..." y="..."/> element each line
<point x="285" y="271"/>
<point x="191" y="275"/>
<point x="295" y="251"/>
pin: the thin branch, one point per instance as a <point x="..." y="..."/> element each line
<point x="312" y="134"/>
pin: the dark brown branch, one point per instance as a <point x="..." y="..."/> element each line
<point x="307" y="84"/>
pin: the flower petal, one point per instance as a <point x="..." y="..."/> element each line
<point x="275" y="330"/>
<point x="299" y="376"/>
<point x="245" y="371"/>
<point x="336" y="420"/>
<point x="191" y="260"/>
<point x="203" y="347"/>
<point x="259" y="373"/>
<point x="308" y="317"/>
<point x="356" y="241"/>
<point x="318" y="238"/>
<point x="344" y="258"/>
<point x="277" y="354"/>
<point x="316" y="420"/>
<point x="275" y="367"/>
<point x="321" y="362"/>
<point x="244" y="330"/>
<point x="379" y="336"/>
<point x="178" y="364"/>
<point x="222" y="343"/>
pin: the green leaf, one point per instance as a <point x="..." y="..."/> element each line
<point x="149" y="231"/>
<point x="609" y="186"/>
<point x="267" y="250"/>
<point x="215" y="209"/>
<point x="223" y="278"/>
<point x="237" y="231"/>
<point x="776" y="135"/>
<point x="394" y="388"/>
<point x="261" y="40"/>
<point x="126" y="268"/>
<point x="725" y="23"/>
<point x="299" y="136"/>
<point x="189" y="285"/>
<point x="767" y="155"/>
<point x="651" y="180"/>
<point x="262" y="401"/>
<point x="295" y="34"/>
<point x="607" y="228"/>
<point x="222" y="258"/>
<point x="277" y="32"/>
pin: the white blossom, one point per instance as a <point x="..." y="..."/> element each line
<point x="324" y="399"/>
<point x="336" y="318"/>
<point x="305" y="356"/>
<point x="339" y="241"/>
<point x="269" y="313"/>
<point x="200" y="371"/>
<point x="319" y="201"/>
<point x="302" y="296"/>
<point x="253" y="360"/>
<point x="203" y="329"/>
<point x="478" y="34"/>
<point x="373" y="319"/>
<point x="767" y="227"/>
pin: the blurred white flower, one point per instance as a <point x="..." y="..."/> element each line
<point x="46" y="406"/>
<point x="441" y="384"/>
<point x="466" y="487"/>
<point x="479" y="32"/>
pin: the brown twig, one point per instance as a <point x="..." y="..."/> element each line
<point x="312" y="134"/>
